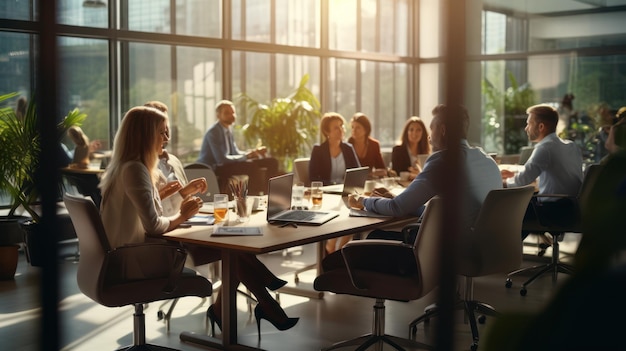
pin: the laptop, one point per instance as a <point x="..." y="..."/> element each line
<point x="353" y="182"/>
<point x="279" y="205"/>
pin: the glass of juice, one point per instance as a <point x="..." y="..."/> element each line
<point x="316" y="194"/>
<point x="220" y="208"/>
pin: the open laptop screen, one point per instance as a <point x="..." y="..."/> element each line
<point x="279" y="194"/>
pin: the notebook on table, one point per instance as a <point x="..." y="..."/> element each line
<point x="279" y="205"/>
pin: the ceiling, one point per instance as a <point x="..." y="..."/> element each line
<point x="552" y="6"/>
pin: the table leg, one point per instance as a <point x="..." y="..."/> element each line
<point x="229" y="311"/>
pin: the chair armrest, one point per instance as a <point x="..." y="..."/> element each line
<point x="145" y="261"/>
<point x="408" y="229"/>
<point x="378" y="256"/>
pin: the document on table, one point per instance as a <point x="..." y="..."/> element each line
<point x="245" y="231"/>
<point x="362" y="213"/>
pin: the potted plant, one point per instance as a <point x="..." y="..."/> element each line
<point x="512" y="104"/>
<point x="19" y="159"/>
<point x="286" y="126"/>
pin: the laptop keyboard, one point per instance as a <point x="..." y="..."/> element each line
<point x="296" y="216"/>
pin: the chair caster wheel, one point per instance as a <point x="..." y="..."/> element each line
<point x="523" y="292"/>
<point x="474" y="346"/>
<point x="482" y="319"/>
<point x="509" y="283"/>
<point x="296" y="279"/>
<point x="160" y="315"/>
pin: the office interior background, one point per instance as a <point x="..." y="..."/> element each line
<point x="385" y="58"/>
<point x="381" y="57"/>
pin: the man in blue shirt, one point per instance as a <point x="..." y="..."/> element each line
<point x="481" y="172"/>
<point x="555" y="163"/>
<point x="220" y="152"/>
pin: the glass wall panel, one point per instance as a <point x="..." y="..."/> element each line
<point x="342" y="88"/>
<point x="289" y="71"/>
<point x="198" y="84"/>
<point x="92" y="13"/>
<point x="252" y="22"/>
<point x="19" y="10"/>
<point x="369" y="25"/>
<point x="84" y="84"/>
<point x="15" y="64"/>
<point x="298" y="22"/>
<point x="342" y="31"/>
<point x="199" y="17"/>
<point x="150" y="16"/>
<point x="429" y="28"/>
<point x="252" y="76"/>
<point x="430" y="94"/>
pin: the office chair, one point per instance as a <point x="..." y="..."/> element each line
<point x="492" y="246"/>
<point x="301" y="170"/>
<point x="388" y="270"/>
<point x="129" y="275"/>
<point x="556" y="229"/>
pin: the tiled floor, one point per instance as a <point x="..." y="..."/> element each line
<point x="86" y="325"/>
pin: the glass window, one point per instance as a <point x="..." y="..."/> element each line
<point x="84" y="84"/>
<point x="291" y="68"/>
<point x="342" y="24"/>
<point x="298" y="22"/>
<point x="92" y="13"/>
<point x="429" y="28"/>
<point x="341" y="94"/>
<point x="198" y="88"/>
<point x="15" y="58"/>
<point x="251" y="22"/>
<point x="19" y="10"/>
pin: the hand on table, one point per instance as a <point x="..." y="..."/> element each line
<point x="354" y="201"/>
<point x="505" y="173"/>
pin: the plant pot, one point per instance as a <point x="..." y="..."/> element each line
<point x="8" y="261"/>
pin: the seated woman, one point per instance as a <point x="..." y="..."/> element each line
<point x="330" y="160"/>
<point x="131" y="207"/>
<point x="367" y="148"/>
<point x="413" y="142"/>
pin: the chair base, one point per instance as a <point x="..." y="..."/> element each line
<point x="368" y="340"/>
<point x="470" y="307"/>
<point x="146" y="347"/>
<point x="378" y="336"/>
<point x="555" y="267"/>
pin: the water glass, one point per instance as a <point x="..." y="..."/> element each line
<point x="317" y="194"/>
<point x="297" y="195"/>
<point x="220" y="208"/>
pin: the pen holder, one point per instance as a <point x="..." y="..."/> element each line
<point x="243" y="208"/>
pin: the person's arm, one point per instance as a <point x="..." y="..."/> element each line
<point x="410" y="202"/>
<point x="538" y="160"/>
<point x="140" y="190"/>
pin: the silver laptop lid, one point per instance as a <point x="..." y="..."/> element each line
<point x="354" y="181"/>
<point x="279" y="194"/>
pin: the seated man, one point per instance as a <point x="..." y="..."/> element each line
<point x="479" y="169"/>
<point x="557" y="164"/>
<point x="220" y="153"/>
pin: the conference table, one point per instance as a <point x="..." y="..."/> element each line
<point x="273" y="238"/>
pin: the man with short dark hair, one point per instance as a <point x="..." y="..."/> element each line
<point x="479" y="169"/>
<point x="556" y="163"/>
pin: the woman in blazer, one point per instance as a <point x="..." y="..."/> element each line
<point x="413" y="142"/>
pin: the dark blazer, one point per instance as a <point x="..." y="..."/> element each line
<point x="320" y="163"/>
<point x="373" y="158"/>
<point x="400" y="159"/>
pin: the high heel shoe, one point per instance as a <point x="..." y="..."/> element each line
<point x="260" y="314"/>
<point x="210" y="313"/>
<point x="276" y="284"/>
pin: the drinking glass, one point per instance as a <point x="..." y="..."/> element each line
<point x="297" y="195"/>
<point x="220" y="208"/>
<point x="316" y="194"/>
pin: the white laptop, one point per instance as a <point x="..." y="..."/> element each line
<point x="279" y="205"/>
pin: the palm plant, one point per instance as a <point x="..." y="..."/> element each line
<point x="20" y="146"/>
<point x="287" y="126"/>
